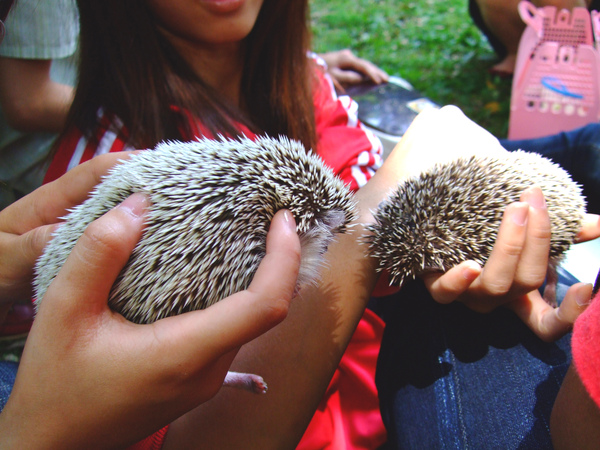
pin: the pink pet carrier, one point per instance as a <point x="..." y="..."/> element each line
<point x="556" y="81"/>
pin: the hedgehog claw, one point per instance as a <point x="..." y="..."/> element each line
<point x="551" y="284"/>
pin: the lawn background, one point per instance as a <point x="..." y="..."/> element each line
<point x="431" y="43"/>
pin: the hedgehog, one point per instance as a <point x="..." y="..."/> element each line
<point x="452" y="212"/>
<point x="212" y="201"/>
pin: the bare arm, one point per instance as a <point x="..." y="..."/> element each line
<point x="31" y="101"/>
<point x="299" y="356"/>
<point x="575" y="420"/>
<point x="90" y="379"/>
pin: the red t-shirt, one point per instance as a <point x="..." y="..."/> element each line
<point x="585" y="345"/>
<point x="348" y="416"/>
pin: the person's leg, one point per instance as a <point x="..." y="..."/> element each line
<point x="576" y="151"/>
<point x="476" y="17"/>
<point x="503" y="29"/>
<point x="452" y="378"/>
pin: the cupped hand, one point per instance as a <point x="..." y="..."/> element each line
<point x="515" y="270"/>
<point x="88" y="377"/>
<point x="26" y="226"/>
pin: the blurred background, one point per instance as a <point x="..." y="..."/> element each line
<point x="432" y="44"/>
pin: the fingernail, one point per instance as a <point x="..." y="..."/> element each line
<point x="289" y="219"/>
<point x="519" y="213"/>
<point x="135" y="205"/>
<point x="583" y="296"/>
<point x="471" y="270"/>
<point x="534" y="197"/>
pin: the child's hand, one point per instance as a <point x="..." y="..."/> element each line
<point x="347" y="69"/>
<point x="518" y="264"/>
<point x="88" y="376"/>
<point x="26" y="225"/>
<point x="515" y="270"/>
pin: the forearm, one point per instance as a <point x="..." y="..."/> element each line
<point x="575" y="420"/>
<point x="299" y="356"/>
<point x="30" y="100"/>
<point x="297" y="359"/>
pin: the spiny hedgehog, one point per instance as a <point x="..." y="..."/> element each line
<point x="212" y="204"/>
<point x="452" y="212"/>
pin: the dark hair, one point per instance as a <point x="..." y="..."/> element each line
<point x="129" y="68"/>
<point x="5" y="6"/>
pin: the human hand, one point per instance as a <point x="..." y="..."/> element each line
<point x="90" y="378"/>
<point x="515" y="270"/>
<point x="347" y="69"/>
<point x="26" y="225"/>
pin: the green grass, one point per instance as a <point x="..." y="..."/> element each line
<point x="433" y="44"/>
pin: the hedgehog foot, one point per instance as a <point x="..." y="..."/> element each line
<point x="246" y="381"/>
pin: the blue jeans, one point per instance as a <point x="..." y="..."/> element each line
<point x="577" y="151"/>
<point x="8" y="373"/>
<point x="450" y="378"/>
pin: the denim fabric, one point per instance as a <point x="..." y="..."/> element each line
<point x="8" y="373"/>
<point x="450" y="378"/>
<point x="577" y="151"/>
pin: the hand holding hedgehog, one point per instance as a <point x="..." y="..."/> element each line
<point x="211" y="204"/>
<point x="451" y="213"/>
<point x="81" y="356"/>
<point x="26" y="226"/>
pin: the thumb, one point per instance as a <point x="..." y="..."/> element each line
<point x="243" y="316"/>
<point x="551" y="323"/>
<point x="85" y="280"/>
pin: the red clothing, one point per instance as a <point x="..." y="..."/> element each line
<point x="585" y="345"/>
<point x="153" y="442"/>
<point x="348" y="417"/>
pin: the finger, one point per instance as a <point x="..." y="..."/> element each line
<point x="445" y="288"/>
<point x="549" y="323"/>
<point x="371" y="71"/>
<point x="348" y="60"/>
<point x="499" y="270"/>
<point x="19" y="253"/>
<point x="590" y="228"/>
<point x="346" y="77"/>
<point x="246" y="315"/>
<point x="533" y="263"/>
<point x="336" y="84"/>
<point x="17" y="261"/>
<point x="97" y="258"/>
<point x="33" y="242"/>
<point x="49" y="202"/>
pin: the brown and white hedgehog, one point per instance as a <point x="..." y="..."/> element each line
<point x="452" y="212"/>
<point x="212" y="202"/>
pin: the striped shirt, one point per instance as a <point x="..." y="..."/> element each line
<point x="354" y="154"/>
<point x="352" y="151"/>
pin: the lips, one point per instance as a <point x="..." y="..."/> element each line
<point x="222" y="6"/>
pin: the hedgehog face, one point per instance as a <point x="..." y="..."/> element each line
<point x="212" y="204"/>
